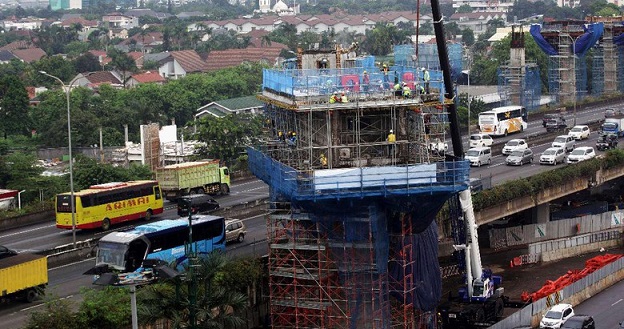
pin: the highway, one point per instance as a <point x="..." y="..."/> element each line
<point x="607" y="307"/>
<point x="66" y="281"/>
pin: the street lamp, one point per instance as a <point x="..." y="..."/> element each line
<point x="72" y="203"/>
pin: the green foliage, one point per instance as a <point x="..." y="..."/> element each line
<point x="468" y="37"/>
<point x="241" y="274"/>
<point x="56" y="314"/>
<point x="216" y="305"/>
<point x="53" y="65"/>
<point x="87" y="63"/>
<point x="108" y="308"/>
<point x="14" y="103"/>
<point x="89" y="172"/>
<point x="465" y="8"/>
<point x="227" y="137"/>
<point x="380" y="40"/>
<point x="533" y="185"/>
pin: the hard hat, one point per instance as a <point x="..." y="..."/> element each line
<point x="391" y="131"/>
<point x="404" y="83"/>
<point x="343" y="94"/>
<point x="365" y="72"/>
<point x="385" y="65"/>
<point x="422" y="68"/>
<point x="335" y="93"/>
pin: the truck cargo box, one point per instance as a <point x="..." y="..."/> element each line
<point x="22" y="272"/>
<point x="193" y="177"/>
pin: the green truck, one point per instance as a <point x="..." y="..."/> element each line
<point x="193" y="178"/>
<point x="23" y="277"/>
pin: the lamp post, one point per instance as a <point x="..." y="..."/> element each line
<point x="72" y="203"/>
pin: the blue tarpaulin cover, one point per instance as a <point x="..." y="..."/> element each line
<point x="541" y="42"/>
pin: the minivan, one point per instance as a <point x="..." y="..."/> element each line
<point x="479" y="155"/>
<point x="480" y="140"/>
<point x="198" y="203"/>
<point x="566" y="142"/>
<point x="235" y="230"/>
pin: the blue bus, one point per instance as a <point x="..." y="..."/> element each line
<point x="161" y="240"/>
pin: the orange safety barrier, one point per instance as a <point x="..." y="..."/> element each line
<point x="550" y="287"/>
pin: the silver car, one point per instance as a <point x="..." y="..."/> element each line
<point x="553" y="156"/>
<point x="519" y="157"/>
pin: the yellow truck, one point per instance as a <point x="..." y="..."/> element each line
<point x="197" y="177"/>
<point x="23" y="276"/>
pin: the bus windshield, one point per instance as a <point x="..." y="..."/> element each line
<point x="486" y="119"/>
<point x="112" y="254"/>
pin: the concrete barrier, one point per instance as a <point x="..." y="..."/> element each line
<point x="28" y="219"/>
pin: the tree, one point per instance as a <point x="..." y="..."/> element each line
<point x="227" y="137"/>
<point x="56" y="314"/>
<point x="465" y="8"/>
<point x="215" y="305"/>
<point x="468" y="37"/>
<point x="87" y="63"/>
<point x="13" y="106"/>
<point x="122" y="63"/>
<point x="53" y="65"/>
<point x="108" y="308"/>
<point x="426" y="28"/>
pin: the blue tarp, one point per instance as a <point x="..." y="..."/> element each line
<point x="583" y="43"/>
<point x="592" y="34"/>
<point x="541" y="42"/>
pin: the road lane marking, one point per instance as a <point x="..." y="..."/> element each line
<point x="616" y="302"/>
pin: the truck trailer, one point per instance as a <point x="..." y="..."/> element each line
<point x="23" y="277"/>
<point x="193" y="178"/>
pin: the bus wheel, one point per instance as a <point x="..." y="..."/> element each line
<point x="30" y="296"/>
<point x="225" y="189"/>
<point x="106" y="224"/>
<point x="148" y="214"/>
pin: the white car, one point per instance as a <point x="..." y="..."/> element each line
<point x="515" y="145"/>
<point x="581" y="154"/>
<point x="556" y="316"/>
<point x="566" y="142"/>
<point x="553" y="156"/>
<point x="579" y="132"/>
<point x="480" y="140"/>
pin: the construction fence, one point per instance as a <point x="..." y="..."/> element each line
<point x="574" y="294"/>
<point x="571" y="227"/>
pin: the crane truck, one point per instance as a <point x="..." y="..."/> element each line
<point x="197" y="177"/>
<point x="480" y="302"/>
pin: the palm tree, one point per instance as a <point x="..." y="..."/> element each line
<point x="213" y="305"/>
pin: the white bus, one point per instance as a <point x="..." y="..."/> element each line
<point x="501" y="121"/>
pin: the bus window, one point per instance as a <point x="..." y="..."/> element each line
<point x="136" y="253"/>
<point x="157" y="192"/>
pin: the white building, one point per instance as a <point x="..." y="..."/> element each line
<point x="22" y="24"/>
<point x="486" y="6"/>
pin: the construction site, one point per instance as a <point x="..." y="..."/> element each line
<point x="355" y="186"/>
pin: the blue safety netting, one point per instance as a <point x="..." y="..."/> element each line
<point x="532" y="87"/>
<point x="405" y="55"/>
<point x="535" y="31"/>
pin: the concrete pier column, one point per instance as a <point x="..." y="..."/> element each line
<point x="541" y="213"/>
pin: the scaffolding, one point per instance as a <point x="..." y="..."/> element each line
<point x="520" y="85"/>
<point x="405" y="55"/>
<point x="352" y="236"/>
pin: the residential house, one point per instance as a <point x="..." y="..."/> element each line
<point x="138" y="12"/>
<point x="95" y="79"/>
<point x="118" y="20"/>
<point x="486" y="6"/>
<point x="219" y="109"/>
<point x="118" y="32"/>
<point x="143" y="42"/>
<point x="82" y="26"/>
<point x="477" y="21"/>
<point x="147" y="77"/>
<point x="101" y="56"/>
<point x="220" y="59"/>
<point x="29" y="55"/>
<point x="29" y="23"/>
<point x="6" y="56"/>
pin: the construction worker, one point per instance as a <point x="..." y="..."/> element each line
<point x="391" y="139"/>
<point x="426" y="79"/>
<point x="398" y="90"/>
<point x="407" y="92"/>
<point x="386" y="78"/>
<point x="323" y="160"/>
<point x="365" y="81"/>
<point x="292" y="140"/>
<point x="343" y="98"/>
<point x="334" y="98"/>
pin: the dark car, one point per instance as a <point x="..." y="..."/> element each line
<point x="549" y="116"/>
<point x="606" y="142"/>
<point x="611" y="113"/>
<point x="579" y="322"/>
<point x="197" y="203"/>
<point x="6" y="252"/>
<point x="519" y="157"/>
<point x="556" y="124"/>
